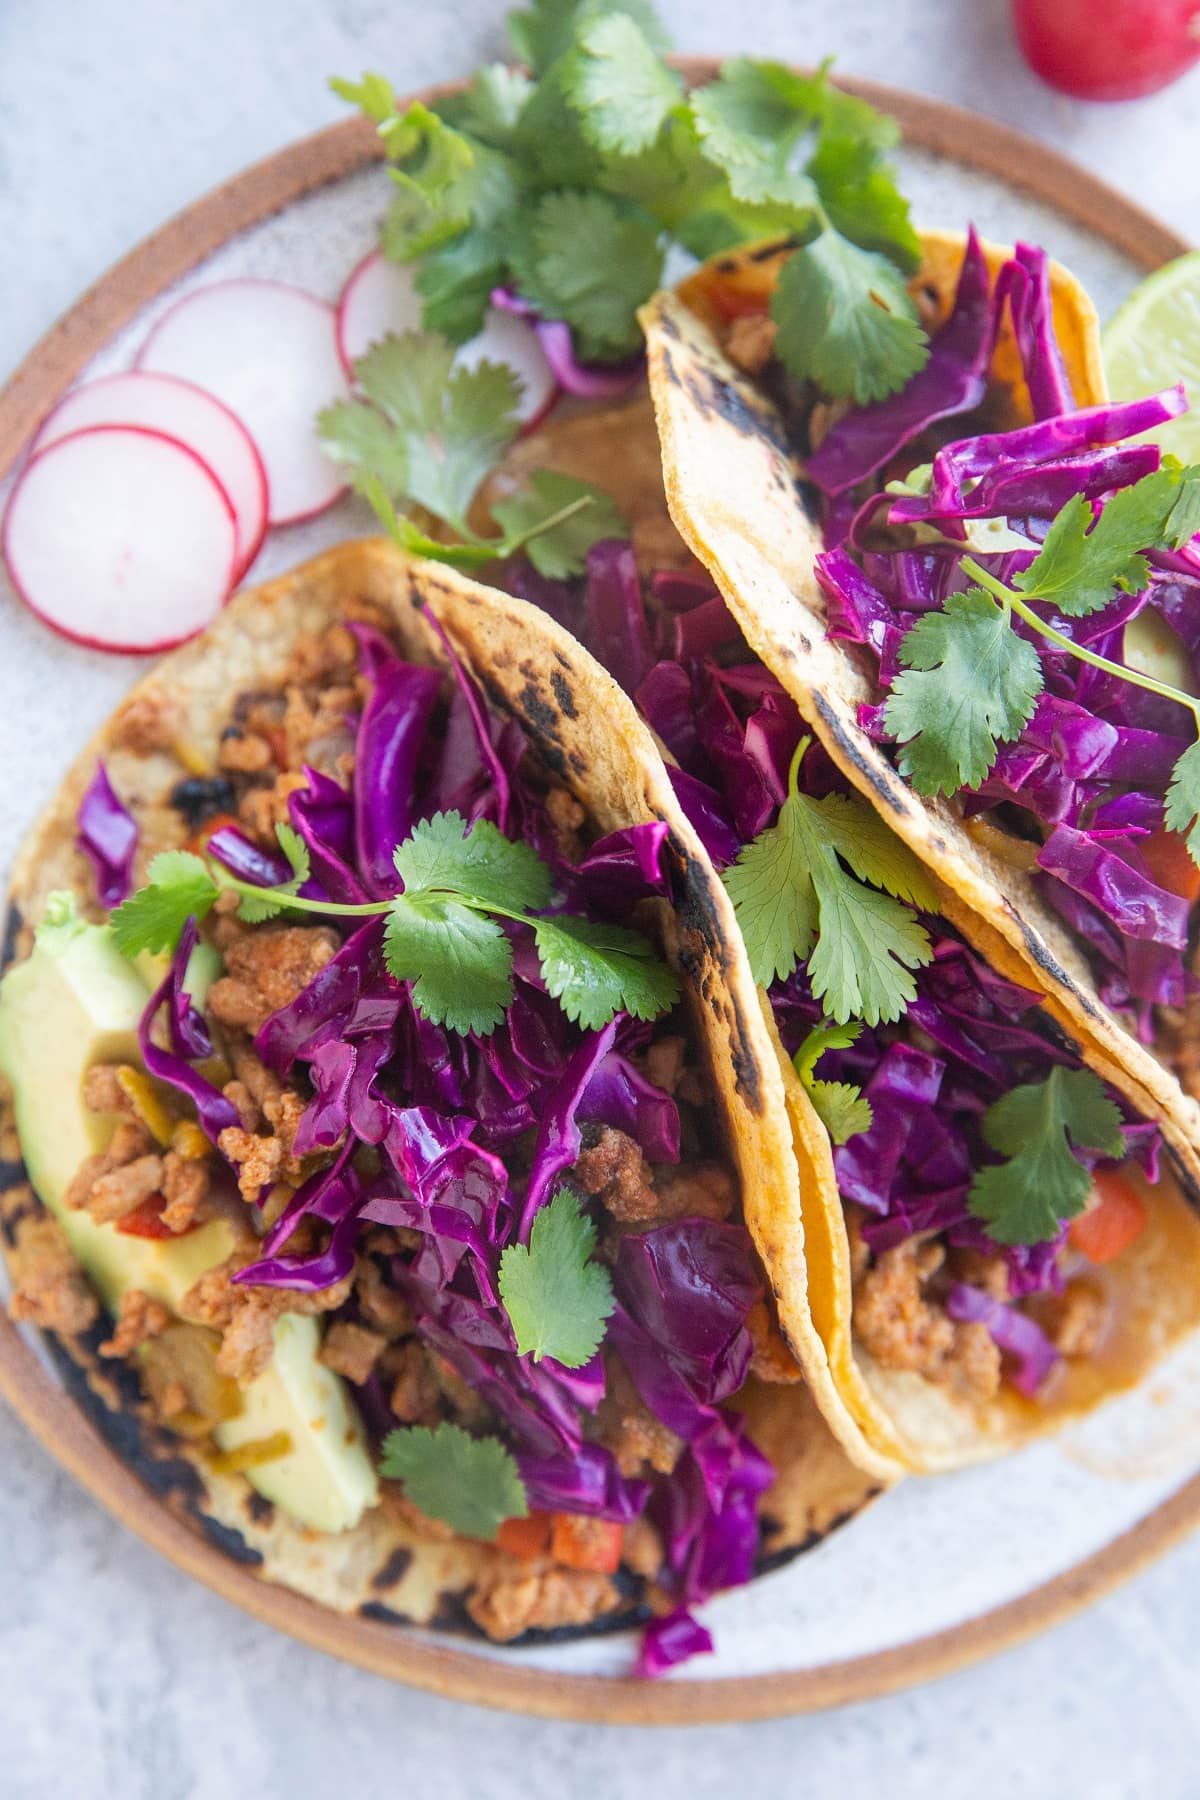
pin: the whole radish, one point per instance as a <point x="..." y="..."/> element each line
<point x="1108" y="49"/>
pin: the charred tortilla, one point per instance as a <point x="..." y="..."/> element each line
<point x="591" y="738"/>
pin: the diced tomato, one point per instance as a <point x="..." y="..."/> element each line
<point x="581" y="1543"/>
<point x="145" y="1221"/>
<point x="1170" y="863"/>
<point x="525" y="1538"/>
<point x="197" y="840"/>
<point x="1112" y="1223"/>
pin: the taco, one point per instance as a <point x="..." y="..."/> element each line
<point x="963" y="1300"/>
<point x="290" y="1215"/>
<point x="832" y="533"/>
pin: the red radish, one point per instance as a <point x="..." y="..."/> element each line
<point x="1115" y="51"/>
<point x="192" y="417"/>
<point x="121" y="538"/>
<point x="381" y="297"/>
<point x="269" y="353"/>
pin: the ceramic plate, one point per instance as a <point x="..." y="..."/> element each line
<point x="938" y="1572"/>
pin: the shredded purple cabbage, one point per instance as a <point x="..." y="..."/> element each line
<point x="588" y="381"/>
<point x="189" y="1043"/>
<point x="1014" y="1332"/>
<point x="108" y="837"/>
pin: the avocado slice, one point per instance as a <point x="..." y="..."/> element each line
<point x="77" y="1001"/>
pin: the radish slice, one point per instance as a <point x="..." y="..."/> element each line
<point x="121" y="538"/>
<point x="192" y="417"/>
<point x="381" y="297"/>
<point x="269" y="353"/>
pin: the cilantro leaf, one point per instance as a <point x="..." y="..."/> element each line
<point x="254" y="908"/>
<point x="1078" y="568"/>
<point x="1184" y="520"/>
<point x="374" y="95"/>
<point x="1037" y="1127"/>
<point x="470" y="1484"/>
<point x="296" y="851"/>
<point x="458" y="960"/>
<point x="548" y="29"/>
<point x="845" y="319"/>
<point x="491" y="106"/>
<point x="750" y="119"/>
<point x="596" y="971"/>
<point x="179" y="888"/>
<point x="591" y="260"/>
<point x="1183" y="799"/>
<point x="842" y="1107"/>
<point x="619" y="85"/>
<point x="866" y="948"/>
<point x="796" y="903"/>
<point x="874" y="852"/>
<point x="481" y="863"/>
<point x="436" y="173"/>
<point x="356" y="436"/>
<point x="557" y="1299"/>
<point x="451" y="421"/>
<point x="562" y="550"/>
<point x="773" y="896"/>
<point x="969" y="681"/>
<point x="860" y="195"/>
<point x="455" y="282"/>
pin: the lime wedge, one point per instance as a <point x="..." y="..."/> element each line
<point x="1154" y="341"/>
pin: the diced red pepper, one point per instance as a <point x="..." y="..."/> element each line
<point x="582" y="1543"/>
<point x="145" y="1221"/>
<point x="1170" y="863"/>
<point x="527" y="1537"/>
<point x="1109" y="1226"/>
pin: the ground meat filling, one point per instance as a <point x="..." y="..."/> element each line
<point x="50" y="1290"/>
<point x="370" y="1336"/>
<point x="901" y="1322"/>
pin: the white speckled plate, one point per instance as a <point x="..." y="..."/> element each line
<point x="940" y="1571"/>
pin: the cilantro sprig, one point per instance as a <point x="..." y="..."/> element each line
<point x="1039" y="1128"/>
<point x="557" y="1299"/>
<point x="470" y="1483"/>
<point x="443" y="933"/>
<point x="424" y="432"/>
<point x="572" y="183"/>
<point x="970" y="682"/>
<point x="841" y="1106"/>
<point x="830" y="886"/>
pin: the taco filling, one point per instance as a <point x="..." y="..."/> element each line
<point x="948" y="519"/>
<point x="1001" y="1215"/>
<point x="469" y="1132"/>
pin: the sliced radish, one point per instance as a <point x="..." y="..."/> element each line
<point x="381" y="297"/>
<point x="121" y="538"/>
<point x="514" y="341"/>
<point x="179" y="410"/>
<point x="269" y="353"/>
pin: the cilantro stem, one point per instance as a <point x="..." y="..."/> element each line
<point x="793" y="781"/>
<point x="226" y="880"/>
<point x="1010" y="599"/>
<point x="506" y="546"/>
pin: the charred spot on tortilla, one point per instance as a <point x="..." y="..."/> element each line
<point x="879" y="776"/>
<point x="563" y="693"/>
<point x="1046" y="960"/>
<point x="713" y="395"/>
<point x="200" y="797"/>
<point x="260" y="1509"/>
<point x="393" y="1570"/>
<point x="379" y="1614"/>
<point x="14" y="921"/>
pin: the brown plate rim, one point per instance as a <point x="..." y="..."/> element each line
<point x="488" y="1680"/>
